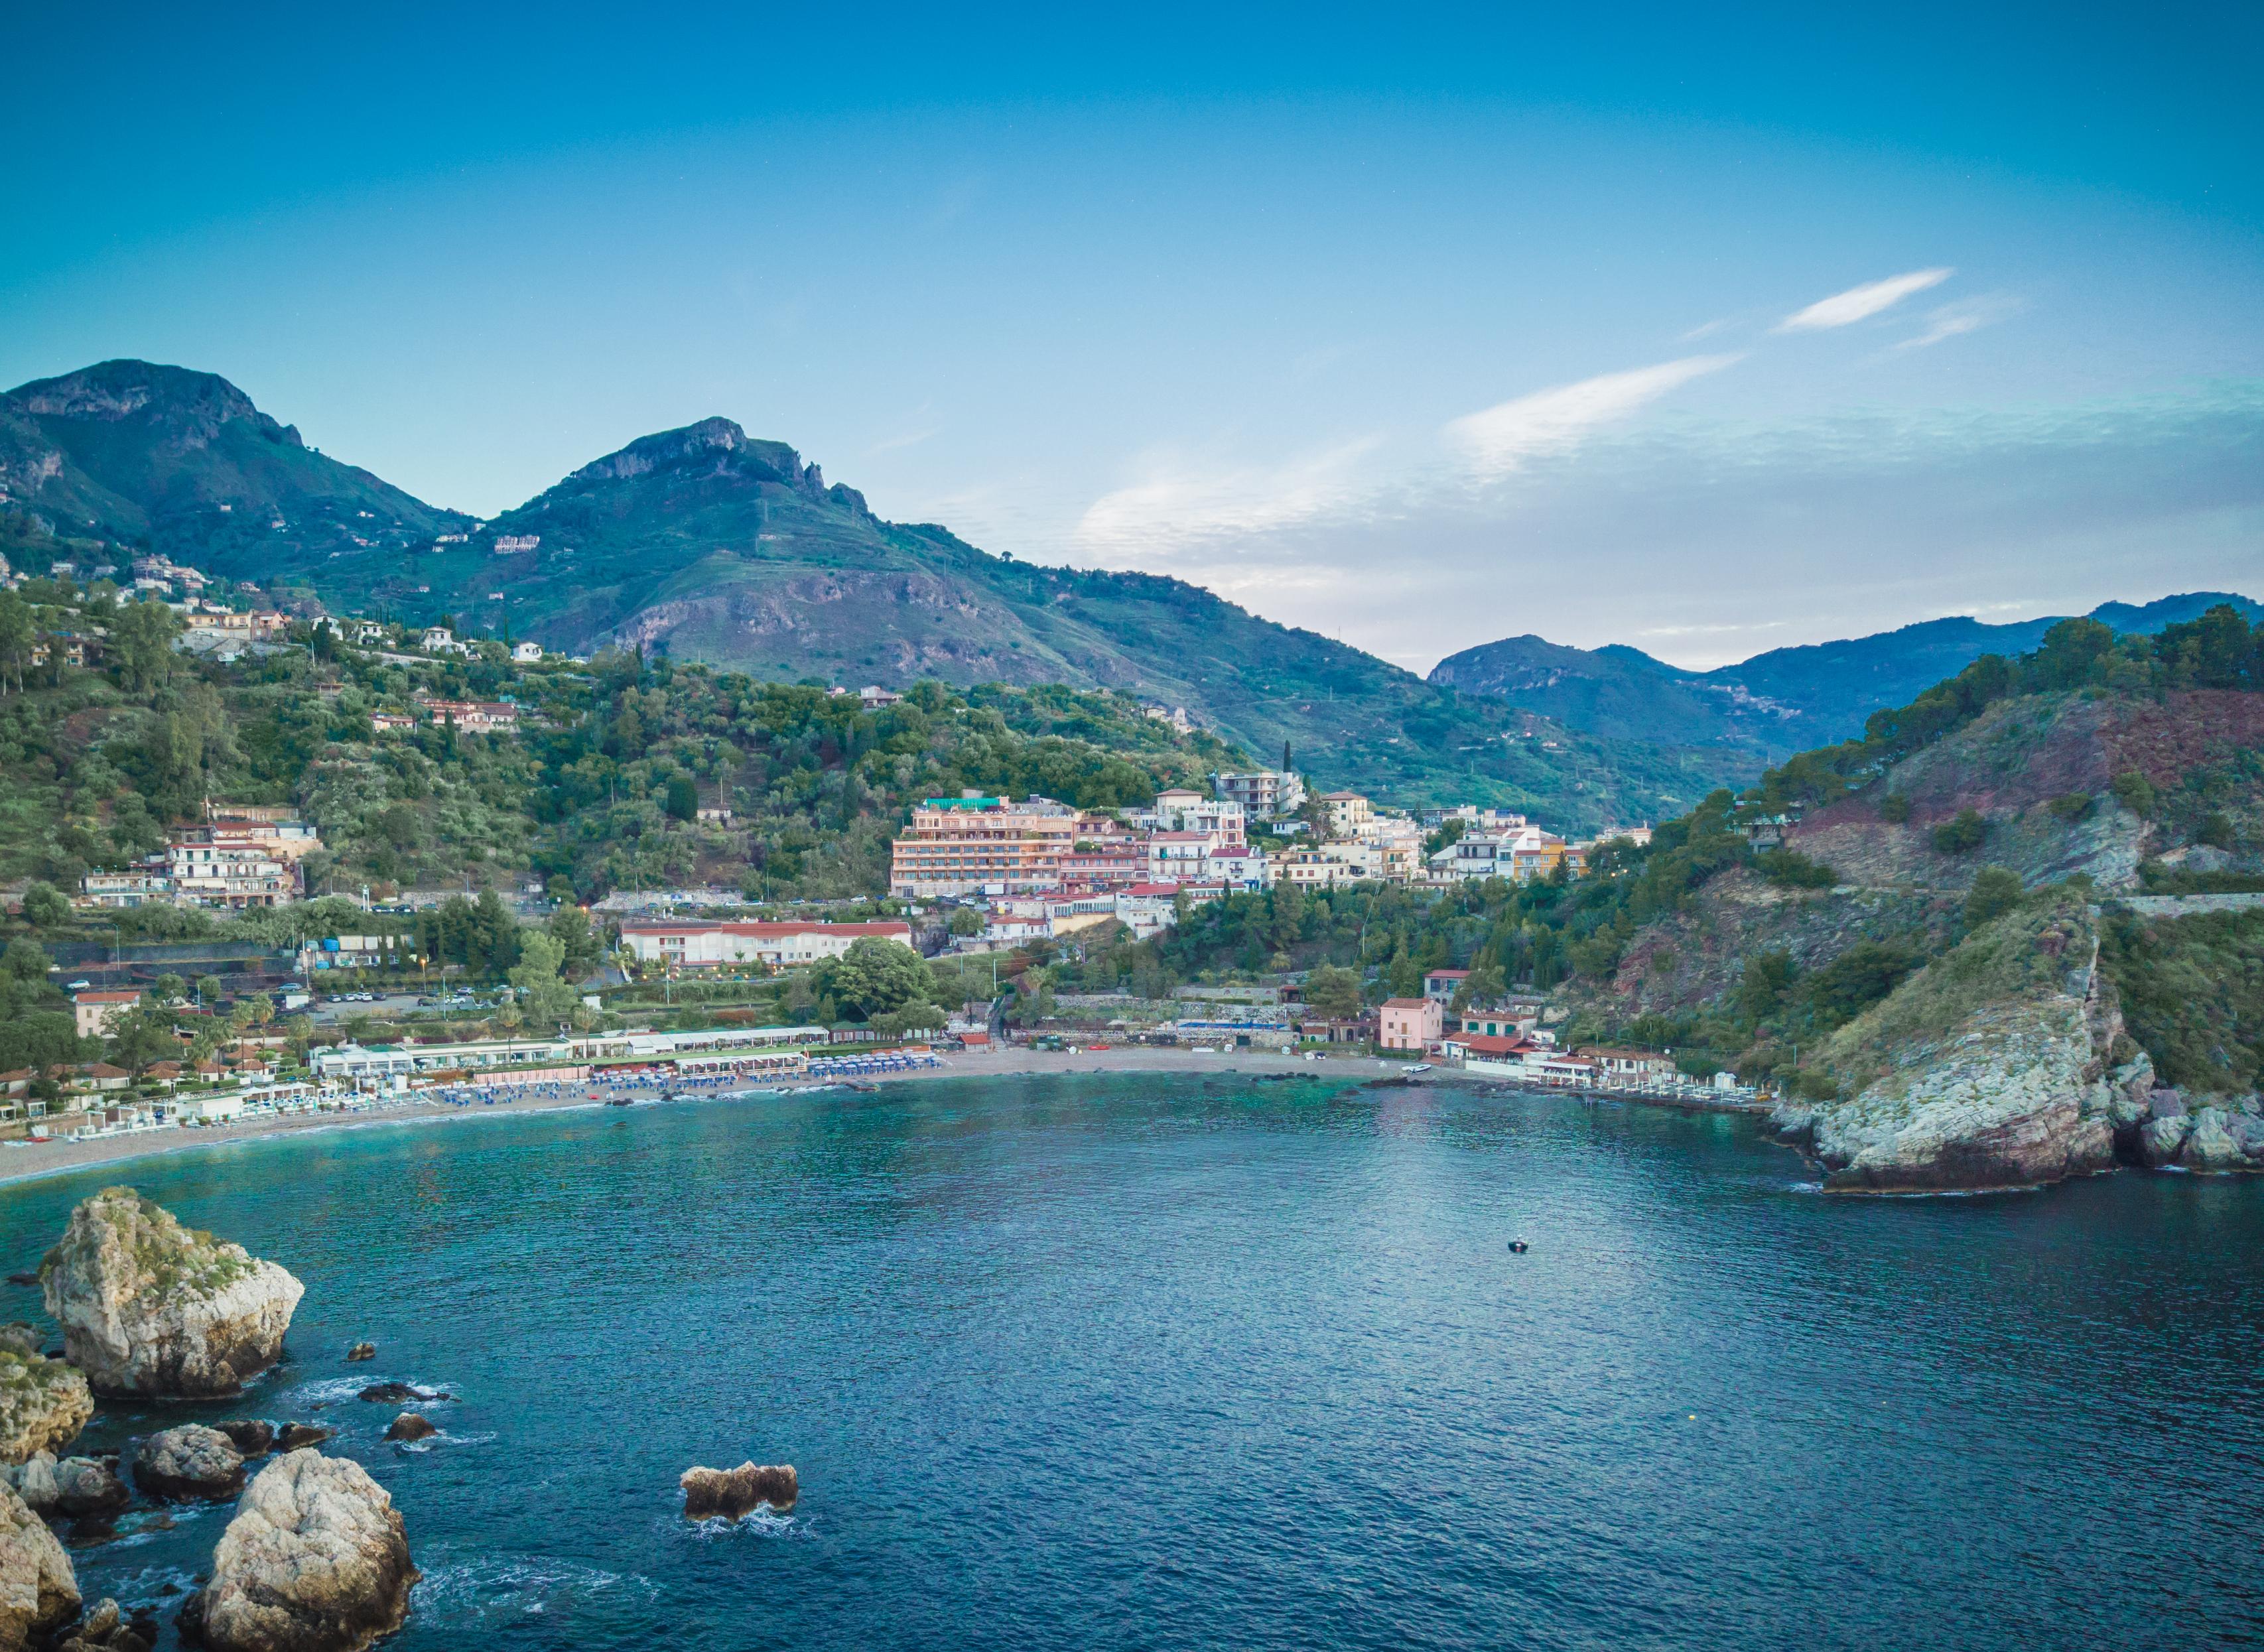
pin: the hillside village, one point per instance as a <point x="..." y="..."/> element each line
<point x="542" y="864"/>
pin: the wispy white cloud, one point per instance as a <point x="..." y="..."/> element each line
<point x="1860" y="303"/>
<point x="1952" y="321"/>
<point x="1498" y="439"/>
<point x="1181" y="504"/>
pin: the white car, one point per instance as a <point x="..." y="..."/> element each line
<point x="80" y="986"/>
<point x="1421" y="1067"/>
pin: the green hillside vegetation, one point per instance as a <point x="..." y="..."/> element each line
<point x="2192" y="994"/>
<point x="599" y="790"/>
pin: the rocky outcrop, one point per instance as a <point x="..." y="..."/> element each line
<point x="298" y="1436"/>
<point x="2012" y="1100"/>
<point x="410" y="1427"/>
<point x="149" y="1308"/>
<point x="728" y="1492"/>
<point x="189" y="1464"/>
<point x="2164" y="1128"/>
<point x="316" y="1560"/>
<point x="361" y="1351"/>
<point x="397" y="1393"/>
<point x="43" y="1404"/>
<point x="38" y="1589"/>
<point x="250" y="1436"/>
<point x="105" y="1628"/>
<point x="90" y="1486"/>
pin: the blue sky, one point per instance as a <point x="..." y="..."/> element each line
<point x="1704" y="335"/>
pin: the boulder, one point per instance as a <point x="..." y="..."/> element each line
<point x="399" y="1393"/>
<point x="24" y="1279"/>
<point x="298" y="1436"/>
<point x="43" y="1404"/>
<point x="189" y="1464"/>
<point x="316" y="1560"/>
<point x="2166" y="1103"/>
<point x="409" y="1426"/>
<point x="362" y="1350"/>
<point x="33" y="1480"/>
<point x="148" y="1307"/>
<point x="731" y="1492"/>
<point x="21" y="1336"/>
<point x="250" y="1436"/>
<point x="38" y="1589"/>
<point x="106" y="1629"/>
<point x="90" y="1486"/>
<point x="2209" y="1145"/>
<point x="2161" y="1139"/>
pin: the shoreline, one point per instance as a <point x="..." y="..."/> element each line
<point x="63" y="1158"/>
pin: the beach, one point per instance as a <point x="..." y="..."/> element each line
<point x="60" y="1157"/>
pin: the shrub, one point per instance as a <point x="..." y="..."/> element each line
<point x="1995" y="892"/>
<point x="1790" y="869"/>
<point x="2216" y="829"/>
<point x="1960" y="834"/>
<point x="2134" y="792"/>
<point x="1894" y="808"/>
<point x="2072" y="806"/>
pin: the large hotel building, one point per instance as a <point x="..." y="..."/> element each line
<point x="983" y="846"/>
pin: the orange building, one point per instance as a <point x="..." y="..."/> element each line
<point x="983" y="846"/>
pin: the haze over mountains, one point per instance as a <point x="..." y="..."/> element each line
<point x="722" y="547"/>
<point x="1777" y="703"/>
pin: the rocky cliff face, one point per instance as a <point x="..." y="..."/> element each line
<point x="148" y="1307"/>
<point x="1986" y="1069"/>
<point x="38" y="1590"/>
<point x="316" y="1560"/>
<point x="43" y="1404"/>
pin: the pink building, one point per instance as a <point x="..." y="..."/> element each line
<point x="1410" y="1023"/>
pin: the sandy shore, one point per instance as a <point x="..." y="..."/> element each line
<point x="55" y="1158"/>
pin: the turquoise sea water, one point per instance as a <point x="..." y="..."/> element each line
<point x="1194" y="1362"/>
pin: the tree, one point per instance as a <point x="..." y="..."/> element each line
<point x="543" y="997"/>
<point x="579" y="943"/>
<point x="683" y="797"/>
<point x="1995" y="892"/>
<point x="878" y="975"/>
<point x="45" y="907"/>
<point x="210" y="989"/>
<point x="141" y="1038"/>
<point x="141" y="645"/>
<point x="965" y="921"/>
<point x="1485" y="984"/>
<point x="2134" y="791"/>
<point x="170" y="989"/>
<point x="16" y="631"/>
<point x="1333" y="992"/>
<point x="25" y="960"/>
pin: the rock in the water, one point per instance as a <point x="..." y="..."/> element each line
<point x="316" y="1561"/>
<point x="732" y="1492"/>
<point x="148" y="1307"/>
<point x="38" y="1589"/>
<point x="106" y="1628"/>
<point x="88" y="1486"/>
<point x="250" y="1436"/>
<point x="298" y="1436"/>
<point x="397" y="1393"/>
<point x="33" y="1480"/>
<point x="31" y="1278"/>
<point x="189" y="1464"/>
<point x="43" y="1404"/>
<point x="409" y="1426"/>
<point x="362" y="1350"/>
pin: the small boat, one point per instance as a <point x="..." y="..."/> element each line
<point x="1421" y="1067"/>
<point x="1517" y="1247"/>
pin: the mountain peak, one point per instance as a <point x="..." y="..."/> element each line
<point x="189" y="406"/>
<point x="693" y="443"/>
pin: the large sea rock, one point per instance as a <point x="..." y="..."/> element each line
<point x="730" y="1493"/>
<point x="316" y="1560"/>
<point x="148" y="1307"/>
<point x="38" y="1589"/>
<point x="43" y="1404"/>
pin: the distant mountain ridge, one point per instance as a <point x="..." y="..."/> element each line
<point x="722" y="547"/>
<point x="1777" y="703"/>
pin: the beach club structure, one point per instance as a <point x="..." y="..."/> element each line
<point x="693" y="944"/>
<point x="707" y="1052"/>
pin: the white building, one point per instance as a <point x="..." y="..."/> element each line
<point x="696" y="945"/>
<point x="1262" y="793"/>
<point x="527" y="653"/>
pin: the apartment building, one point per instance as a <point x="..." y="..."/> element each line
<point x="1263" y="794"/>
<point x="1410" y="1023"/>
<point x="1176" y="809"/>
<point x="213" y="867"/>
<point x="983" y="846"/>
<point x="97" y="1013"/>
<point x="694" y="945"/>
<point x="1347" y="812"/>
